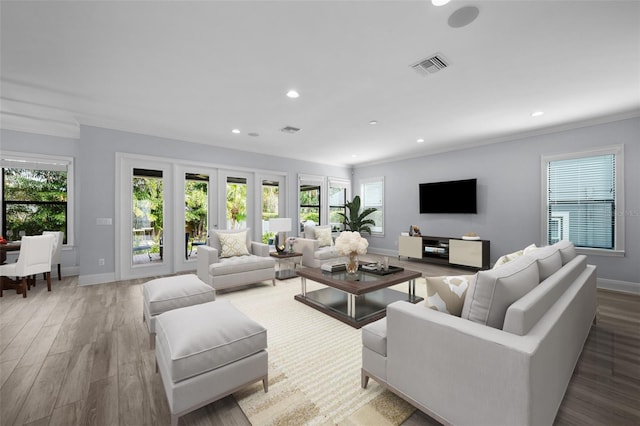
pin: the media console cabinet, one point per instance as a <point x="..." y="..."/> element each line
<point x="446" y="250"/>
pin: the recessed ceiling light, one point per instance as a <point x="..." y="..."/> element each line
<point x="236" y="131"/>
<point x="420" y="140"/>
<point x="373" y="122"/>
<point x="439" y="2"/>
<point x="293" y="94"/>
<point x="353" y="155"/>
<point x="537" y="113"/>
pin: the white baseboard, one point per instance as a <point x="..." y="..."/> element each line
<point x="67" y="271"/>
<point x="623" y="286"/>
<point x="384" y="252"/>
<point x="96" y="279"/>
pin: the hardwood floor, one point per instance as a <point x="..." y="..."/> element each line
<point x="80" y="356"/>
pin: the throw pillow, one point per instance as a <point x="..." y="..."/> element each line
<point x="567" y="251"/>
<point x="508" y="258"/>
<point x="447" y="294"/>
<point x="323" y="235"/>
<point x="233" y="244"/>
<point x="215" y="239"/>
<point x="493" y="291"/>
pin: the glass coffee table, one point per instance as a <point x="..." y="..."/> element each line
<point x="356" y="299"/>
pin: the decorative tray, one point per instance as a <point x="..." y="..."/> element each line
<point x="372" y="269"/>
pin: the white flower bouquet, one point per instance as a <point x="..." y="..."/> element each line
<point x="351" y="243"/>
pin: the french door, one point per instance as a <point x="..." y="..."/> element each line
<point x="144" y="245"/>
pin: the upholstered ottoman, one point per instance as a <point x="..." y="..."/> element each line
<point x="206" y="352"/>
<point x="164" y="294"/>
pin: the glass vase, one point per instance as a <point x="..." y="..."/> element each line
<point x="352" y="264"/>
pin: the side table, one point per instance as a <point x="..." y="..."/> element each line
<point x="290" y="259"/>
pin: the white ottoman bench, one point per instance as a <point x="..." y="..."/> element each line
<point x="164" y="294"/>
<point x="206" y="352"/>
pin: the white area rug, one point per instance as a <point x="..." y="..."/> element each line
<point x="314" y="364"/>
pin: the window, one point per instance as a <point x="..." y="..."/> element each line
<point x="582" y="198"/>
<point x="309" y="204"/>
<point x="36" y="195"/>
<point x="338" y="195"/>
<point x="372" y="191"/>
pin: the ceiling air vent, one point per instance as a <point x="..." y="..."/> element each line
<point x="289" y="129"/>
<point x="430" y="65"/>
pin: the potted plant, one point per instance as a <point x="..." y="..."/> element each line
<point x="355" y="220"/>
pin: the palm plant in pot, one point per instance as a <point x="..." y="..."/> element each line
<point x="355" y="220"/>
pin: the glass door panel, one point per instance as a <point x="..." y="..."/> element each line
<point x="270" y="207"/>
<point x="147" y="189"/>
<point x="196" y="212"/>
<point x="236" y="202"/>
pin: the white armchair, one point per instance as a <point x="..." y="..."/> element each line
<point x="233" y="260"/>
<point x="316" y="246"/>
<point x="56" y="253"/>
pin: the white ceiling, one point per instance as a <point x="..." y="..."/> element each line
<point x="195" y="70"/>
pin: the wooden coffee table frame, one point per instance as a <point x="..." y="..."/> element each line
<point x="357" y="300"/>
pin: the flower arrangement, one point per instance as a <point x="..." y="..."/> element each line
<point x="290" y="242"/>
<point x="351" y="242"/>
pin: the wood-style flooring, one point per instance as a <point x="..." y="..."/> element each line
<point x="81" y="355"/>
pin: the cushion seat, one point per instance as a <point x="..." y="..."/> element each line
<point x="205" y="337"/>
<point x="374" y="336"/>
<point x="325" y="253"/>
<point x="168" y="293"/>
<point x="237" y="264"/>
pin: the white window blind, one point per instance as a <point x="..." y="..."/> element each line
<point x="581" y="201"/>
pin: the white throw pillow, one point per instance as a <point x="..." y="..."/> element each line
<point x="323" y="235"/>
<point x="495" y="290"/>
<point x="233" y="244"/>
<point x="508" y="258"/>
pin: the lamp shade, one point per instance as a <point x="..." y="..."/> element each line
<point x="280" y="224"/>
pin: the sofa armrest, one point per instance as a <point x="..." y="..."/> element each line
<point x="307" y="247"/>
<point x="444" y="363"/>
<point x="259" y="249"/>
<point x="206" y="256"/>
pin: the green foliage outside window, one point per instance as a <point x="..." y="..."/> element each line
<point x="236" y="204"/>
<point x="34" y="201"/>
<point x="196" y="206"/>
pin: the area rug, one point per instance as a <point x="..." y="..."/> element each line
<point x="314" y="365"/>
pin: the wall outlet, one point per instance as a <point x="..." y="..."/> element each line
<point x="100" y="262"/>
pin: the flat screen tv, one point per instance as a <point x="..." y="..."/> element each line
<point x="456" y="196"/>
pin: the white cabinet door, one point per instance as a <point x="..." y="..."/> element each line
<point x="466" y="253"/>
<point x="410" y="247"/>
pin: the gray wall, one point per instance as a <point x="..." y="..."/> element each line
<point x="509" y="197"/>
<point x="50" y="145"/>
<point x="509" y="192"/>
<point x="95" y="165"/>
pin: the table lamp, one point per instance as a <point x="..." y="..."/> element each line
<point x="279" y="226"/>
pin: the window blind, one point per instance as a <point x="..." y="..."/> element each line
<point x="581" y="200"/>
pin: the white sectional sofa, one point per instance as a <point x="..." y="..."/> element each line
<point x="507" y="360"/>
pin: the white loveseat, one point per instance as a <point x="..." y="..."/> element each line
<point x="316" y="246"/>
<point x="514" y="371"/>
<point x="224" y="268"/>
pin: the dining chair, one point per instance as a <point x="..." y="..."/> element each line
<point x="57" y="249"/>
<point x="34" y="258"/>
